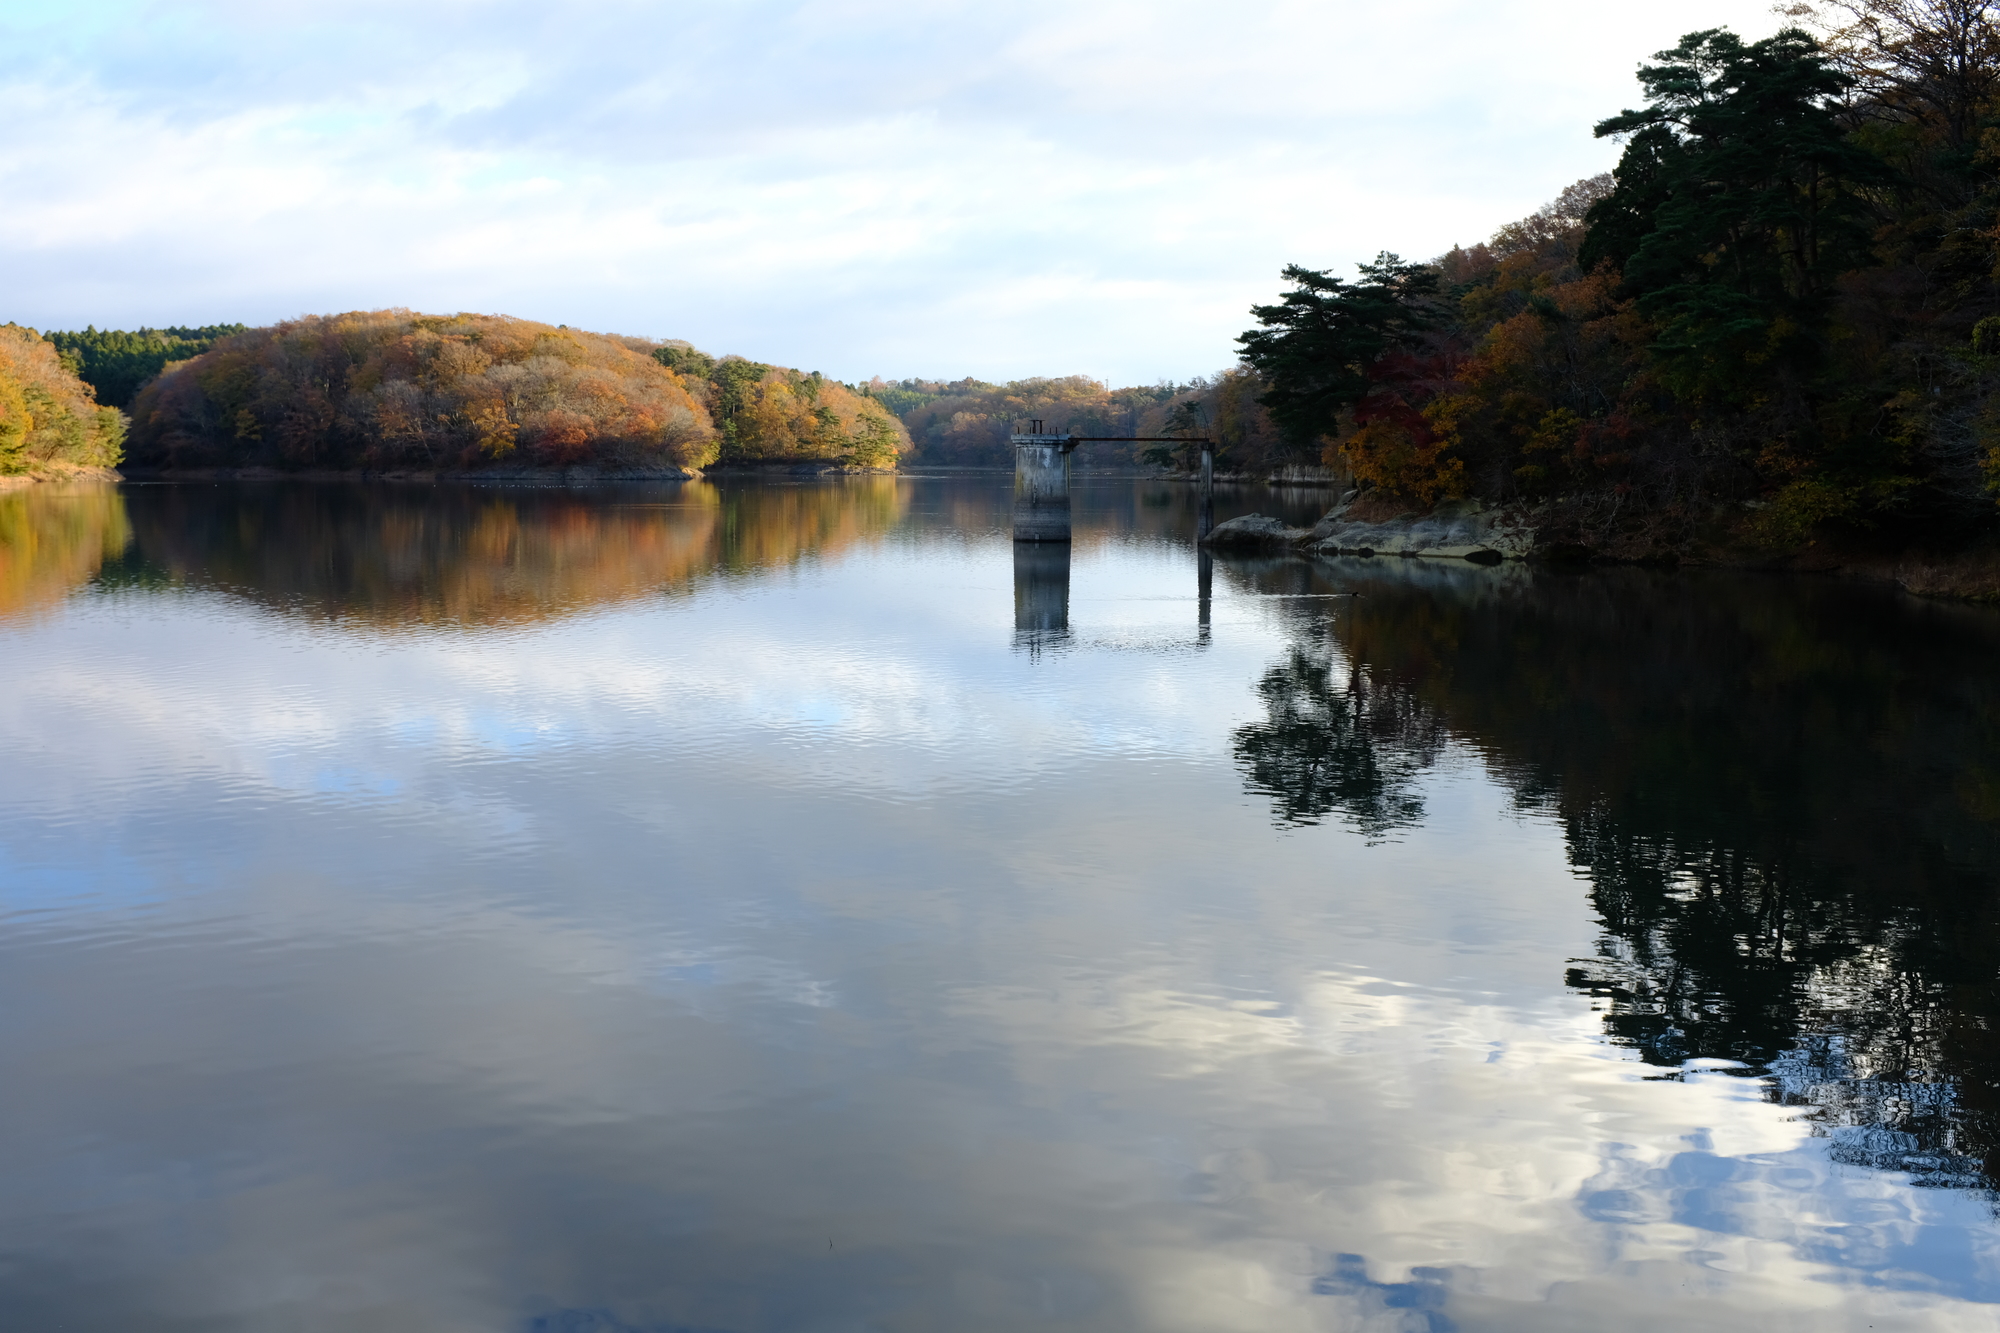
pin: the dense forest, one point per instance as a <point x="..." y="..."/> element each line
<point x="116" y="364"/>
<point x="771" y="414"/>
<point x="1783" y="304"/>
<point x="49" y="421"/>
<point x="1779" y="316"/>
<point x="397" y="390"/>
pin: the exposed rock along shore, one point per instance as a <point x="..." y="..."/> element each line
<point x="1454" y="530"/>
<point x="1466" y="530"/>
<point x="49" y="472"/>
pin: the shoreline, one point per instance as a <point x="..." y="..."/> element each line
<point x="16" y="481"/>
<point x="1966" y="571"/>
<point x="570" y="474"/>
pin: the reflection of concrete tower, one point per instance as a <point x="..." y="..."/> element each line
<point x="1041" y="486"/>
<point x="1041" y="594"/>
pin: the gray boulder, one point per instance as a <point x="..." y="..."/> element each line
<point x="1254" y="532"/>
<point x="1455" y="529"/>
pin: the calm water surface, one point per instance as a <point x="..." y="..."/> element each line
<point x="781" y="907"/>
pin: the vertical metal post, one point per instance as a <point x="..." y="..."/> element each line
<point x="1205" y="520"/>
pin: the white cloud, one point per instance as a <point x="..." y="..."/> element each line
<point x="856" y="187"/>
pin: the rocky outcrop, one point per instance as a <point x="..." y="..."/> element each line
<point x="1254" y="532"/>
<point x="1454" y="530"/>
<point x="1467" y="531"/>
<point x="1311" y="474"/>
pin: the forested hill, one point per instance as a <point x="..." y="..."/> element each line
<point x="391" y="389"/>
<point x="116" y="363"/>
<point x="1778" y="318"/>
<point x="1783" y="305"/>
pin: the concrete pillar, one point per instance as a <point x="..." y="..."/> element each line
<point x="1041" y="487"/>
<point x="1041" y="594"/>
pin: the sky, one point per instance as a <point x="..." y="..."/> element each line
<point x="861" y="187"/>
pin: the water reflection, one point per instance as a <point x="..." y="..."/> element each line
<point x="1783" y="796"/>
<point x="1332" y="741"/>
<point x="789" y="953"/>
<point x="395" y="556"/>
<point x="387" y="556"/>
<point x="1041" y="595"/>
<point x="1204" y="597"/>
<point x="53" y="539"/>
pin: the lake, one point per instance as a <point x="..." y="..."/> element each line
<point x="790" y="906"/>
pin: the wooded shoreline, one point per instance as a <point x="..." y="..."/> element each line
<point x="1967" y="572"/>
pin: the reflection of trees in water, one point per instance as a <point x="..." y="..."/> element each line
<point x="394" y="556"/>
<point x="767" y="526"/>
<point x="389" y="555"/>
<point x="53" y="539"/>
<point x="1783" y="793"/>
<point x="1332" y="743"/>
<point x="1850" y="1002"/>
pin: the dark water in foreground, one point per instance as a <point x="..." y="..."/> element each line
<point x="777" y="908"/>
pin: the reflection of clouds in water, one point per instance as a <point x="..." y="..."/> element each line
<point x="1498" y="1184"/>
<point x="880" y="699"/>
<point x="800" y="940"/>
<point x="1094" y="1061"/>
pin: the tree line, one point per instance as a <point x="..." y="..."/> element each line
<point x="771" y="414"/>
<point x="967" y="422"/>
<point x="393" y="389"/>
<point x="117" y="363"/>
<point x="1782" y="305"/>
<point x="1785" y="299"/>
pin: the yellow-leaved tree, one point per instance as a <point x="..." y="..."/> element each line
<point x="50" y="422"/>
<point x="784" y="414"/>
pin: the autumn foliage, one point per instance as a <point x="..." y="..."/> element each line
<point x="1784" y="303"/>
<point x="49" y="420"/>
<point x="117" y="363"/>
<point x="392" y="389"/>
<point x="967" y="422"/>
<point x="768" y="414"/>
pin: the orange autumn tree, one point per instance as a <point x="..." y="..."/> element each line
<point x="50" y="422"/>
<point x="395" y="389"/>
